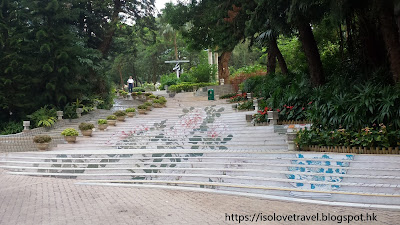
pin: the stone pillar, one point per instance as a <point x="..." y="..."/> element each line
<point x="210" y="57"/>
<point x="216" y="65"/>
<point x="79" y="112"/>
<point x="249" y="96"/>
<point x="273" y="117"/>
<point x="26" y="125"/>
<point x="60" y="115"/>
<point x="221" y="81"/>
<point x="255" y="104"/>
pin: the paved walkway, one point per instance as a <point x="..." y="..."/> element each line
<point x="33" y="200"/>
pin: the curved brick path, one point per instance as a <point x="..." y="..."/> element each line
<point x="33" y="200"/>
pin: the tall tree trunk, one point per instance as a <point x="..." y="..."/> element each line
<point x="176" y="47"/>
<point x="281" y="60"/>
<point x="223" y="69"/>
<point x="271" y="63"/>
<point x="341" y="42"/>
<point x="109" y="33"/>
<point x="120" y="75"/>
<point x="312" y="54"/>
<point x="390" y="35"/>
<point x="350" y="45"/>
<point x="372" y="41"/>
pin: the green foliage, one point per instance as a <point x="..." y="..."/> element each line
<point x="101" y="121"/>
<point x="120" y="113"/>
<point x="238" y="98"/>
<point x="44" y="117"/>
<point x="148" y="104"/>
<point x="247" y="105"/>
<point x="188" y="86"/>
<point x="169" y="80"/>
<point x="157" y="101"/>
<point x="356" y="107"/>
<point x="138" y="89"/>
<point x="148" y="87"/>
<point x="70" y="132"/>
<point x="250" y="69"/>
<point x="142" y="107"/>
<point x="130" y="110"/>
<point x="203" y="73"/>
<point x="70" y="111"/>
<point x="42" y="139"/>
<point x="86" y="126"/>
<point x="11" y="127"/>
<point x="374" y="136"/>
<point x="111" y="117"/>
<point x="228" y="96"/>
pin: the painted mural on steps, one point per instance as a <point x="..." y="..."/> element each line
<point x="327" y="168"/>
<point x="195" y="129"/>
<point x="199" y="129"/>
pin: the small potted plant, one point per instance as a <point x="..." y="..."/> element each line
<point x="130" y="112"/>
<point x="157" y="103"/>
<point x="120" y="115"/>
<point x="148" y="105"/>
<point x="102" y="124"/>
<point x="42" y="141"/>
<point x="142" y="109"/>
<point x="70" y="135"/>
<point x="86" y="129"/>
<point x="152" y="96"/>
<point x="111" y="120"/>
<point x="134" y="95"/>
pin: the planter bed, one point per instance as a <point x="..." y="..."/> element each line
<point x="356" y="150"/>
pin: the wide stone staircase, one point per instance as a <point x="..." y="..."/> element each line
<point x="212" y="148"/>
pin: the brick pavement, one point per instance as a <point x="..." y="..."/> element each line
<point x="36" y="200"/>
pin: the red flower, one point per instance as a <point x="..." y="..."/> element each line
<point x="278" y="110"/>
<point x="310" y="103"/>
<point x="266" y="109"/>
<point x="302" y="108"/>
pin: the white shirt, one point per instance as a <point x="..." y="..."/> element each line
<point x="130" y="81"/>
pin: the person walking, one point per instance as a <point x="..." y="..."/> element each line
<point x="130" y="84"/>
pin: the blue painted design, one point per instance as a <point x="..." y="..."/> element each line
<point x="324" y="174"/>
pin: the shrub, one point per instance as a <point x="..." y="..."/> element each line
<point x="86" y="126"/>
<point x="246" y="105"/>
<point x="147" y="94"/>
<point x="152" y="96"/>
<point x="249" y="69"/>
<point x="44" y="117"/>
<point x="120" y="113"/>
<point x="130" y="110"/>
<point x="203" y="73"/>
<point x="11" y="127"/>
<point x="138" y="89"/>
<point x="188" y="86"/>
<point x="111" y="117"/>
<point x="228" y="96"/>
<point x="157" y="101"/>
<point x="147" y="104"/>
<point x="70" y="132"/>
<point x="142" y="107"/>
<point x="374" y="136"/>
<point x="101" y="121"/>
<point x="169" y="79"/>
<point x="42" y="139"/>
